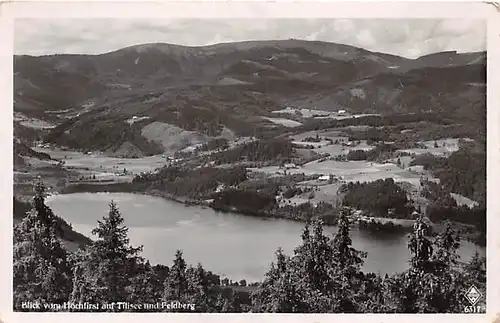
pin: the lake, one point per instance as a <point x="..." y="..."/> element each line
<point x="231" y="245"/>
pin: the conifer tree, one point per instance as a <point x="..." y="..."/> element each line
<point x="199" y="289"/>
<point x="346" y="257"/>
<point x="404" y="287"/>
<point x="176" y="284"/>
<point x="316" y="254"/>
<point x="346" y="269"/>
<point x="104" y="271"/>
<point x="475" y="271"/>
<point x="373" y="295"/>
<point x="145" y="285"/>
<point x="279" y="292"/>
<point x="447" y="281"/>
<point x="433" y="284"/>
<point x="86" y="286"/>
<point x="324" y="275"/>
<point x="41" y="269"/>
<point x="222" y="304"/>
<point x="311" y="266"/>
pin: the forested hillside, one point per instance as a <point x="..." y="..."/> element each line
<point x="233" y="86"/>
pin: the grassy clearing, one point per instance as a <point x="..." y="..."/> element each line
<point x="172" y="137"/>
<point x="104" y="164"/>
<point x="283" y="121"/>
<point x="441" y="147"/>
<point x="337" y="149"/>
<point x="37" y="124"/>
<point x="332" y="142"/>
<point x="319" y="114"/>
<point x="462" y="200"/>
<point x="351" y="171"/>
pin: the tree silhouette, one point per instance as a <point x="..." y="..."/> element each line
<point x="278" y="292"/>
<point x="475" y="271"/>
<point x="199" y="289"/>
<point x="176" y="284"/>
<point x="41" y="270"/>
<point x="346" y="270"/>
<point x="145" y="285"/>
<point x="433" y="284"/>
<point x="324" y="275"/>
<point x="103" y="272"/>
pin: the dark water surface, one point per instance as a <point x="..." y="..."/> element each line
<point x="232" y="245"/>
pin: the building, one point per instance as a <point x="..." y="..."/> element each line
<point x="220" y="188"/>
<point x="342" y="112"/>
<point x="358" y="214"/>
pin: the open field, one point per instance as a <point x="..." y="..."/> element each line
<point x="350" y="171"/>
<point x="283" y="121"/>
<point x="405" y="162"/>
<point x="462" y="200"/>
<point x="336" y="149"/>
<point x="103" y="164"/>
<point x="133" y="120"/>
<point x="445" y="147"/>
<point x="327" y="193"/>
<point x="406" y="223"/>
<point x="32" y="122"/>
<point x="171" y="137"/>
<point x="319" y="144"/>
<point x="329" y="134"/>
<point x="319" y="114"/>
<point x="340" y="145"/>
<point x="37" y="124"/>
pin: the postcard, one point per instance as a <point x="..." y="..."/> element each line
<point x="250" y="161"/>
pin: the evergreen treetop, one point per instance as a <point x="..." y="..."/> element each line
<point x="41" y="269"/>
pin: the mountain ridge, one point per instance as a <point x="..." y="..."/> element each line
<point x="249" y="45"/>
<point x="233" y="85"/>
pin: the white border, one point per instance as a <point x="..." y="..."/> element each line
<point x="239" y="9"/>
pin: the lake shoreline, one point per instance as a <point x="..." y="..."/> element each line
<point x="129" y="187"/>
<point x="181" y="200"/>
<point x="162" y="225"/>
<point x="122" y="188"/>
<point x="276" y="212"/>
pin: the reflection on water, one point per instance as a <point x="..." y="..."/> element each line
<point x="229" y="244"/>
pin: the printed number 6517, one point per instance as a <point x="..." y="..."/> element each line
<point x="473" y="309"/>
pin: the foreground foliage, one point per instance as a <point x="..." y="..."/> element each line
<point x="41" y="269"/>
<point x="324" y="275"/>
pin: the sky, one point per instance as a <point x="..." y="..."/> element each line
<point x="409" y="38"/>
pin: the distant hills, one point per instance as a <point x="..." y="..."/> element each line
<point x="212" y="90"/>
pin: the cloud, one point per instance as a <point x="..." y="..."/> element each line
<point x="365" y="39"/>
<point x="404" y="37"/>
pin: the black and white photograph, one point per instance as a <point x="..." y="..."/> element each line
<point x="249" y="165"/>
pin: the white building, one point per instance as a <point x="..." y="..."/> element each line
<point x="220" y="188"/>
<point x="324" y="178"/>
<point x="358" y="213"/>
<point x="342" y="112"/>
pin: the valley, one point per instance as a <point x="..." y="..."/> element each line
<point x="296" y="175"/>
<point x="282" y="129"/>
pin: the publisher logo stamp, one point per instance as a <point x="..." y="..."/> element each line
<point x="473" y="295"/>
